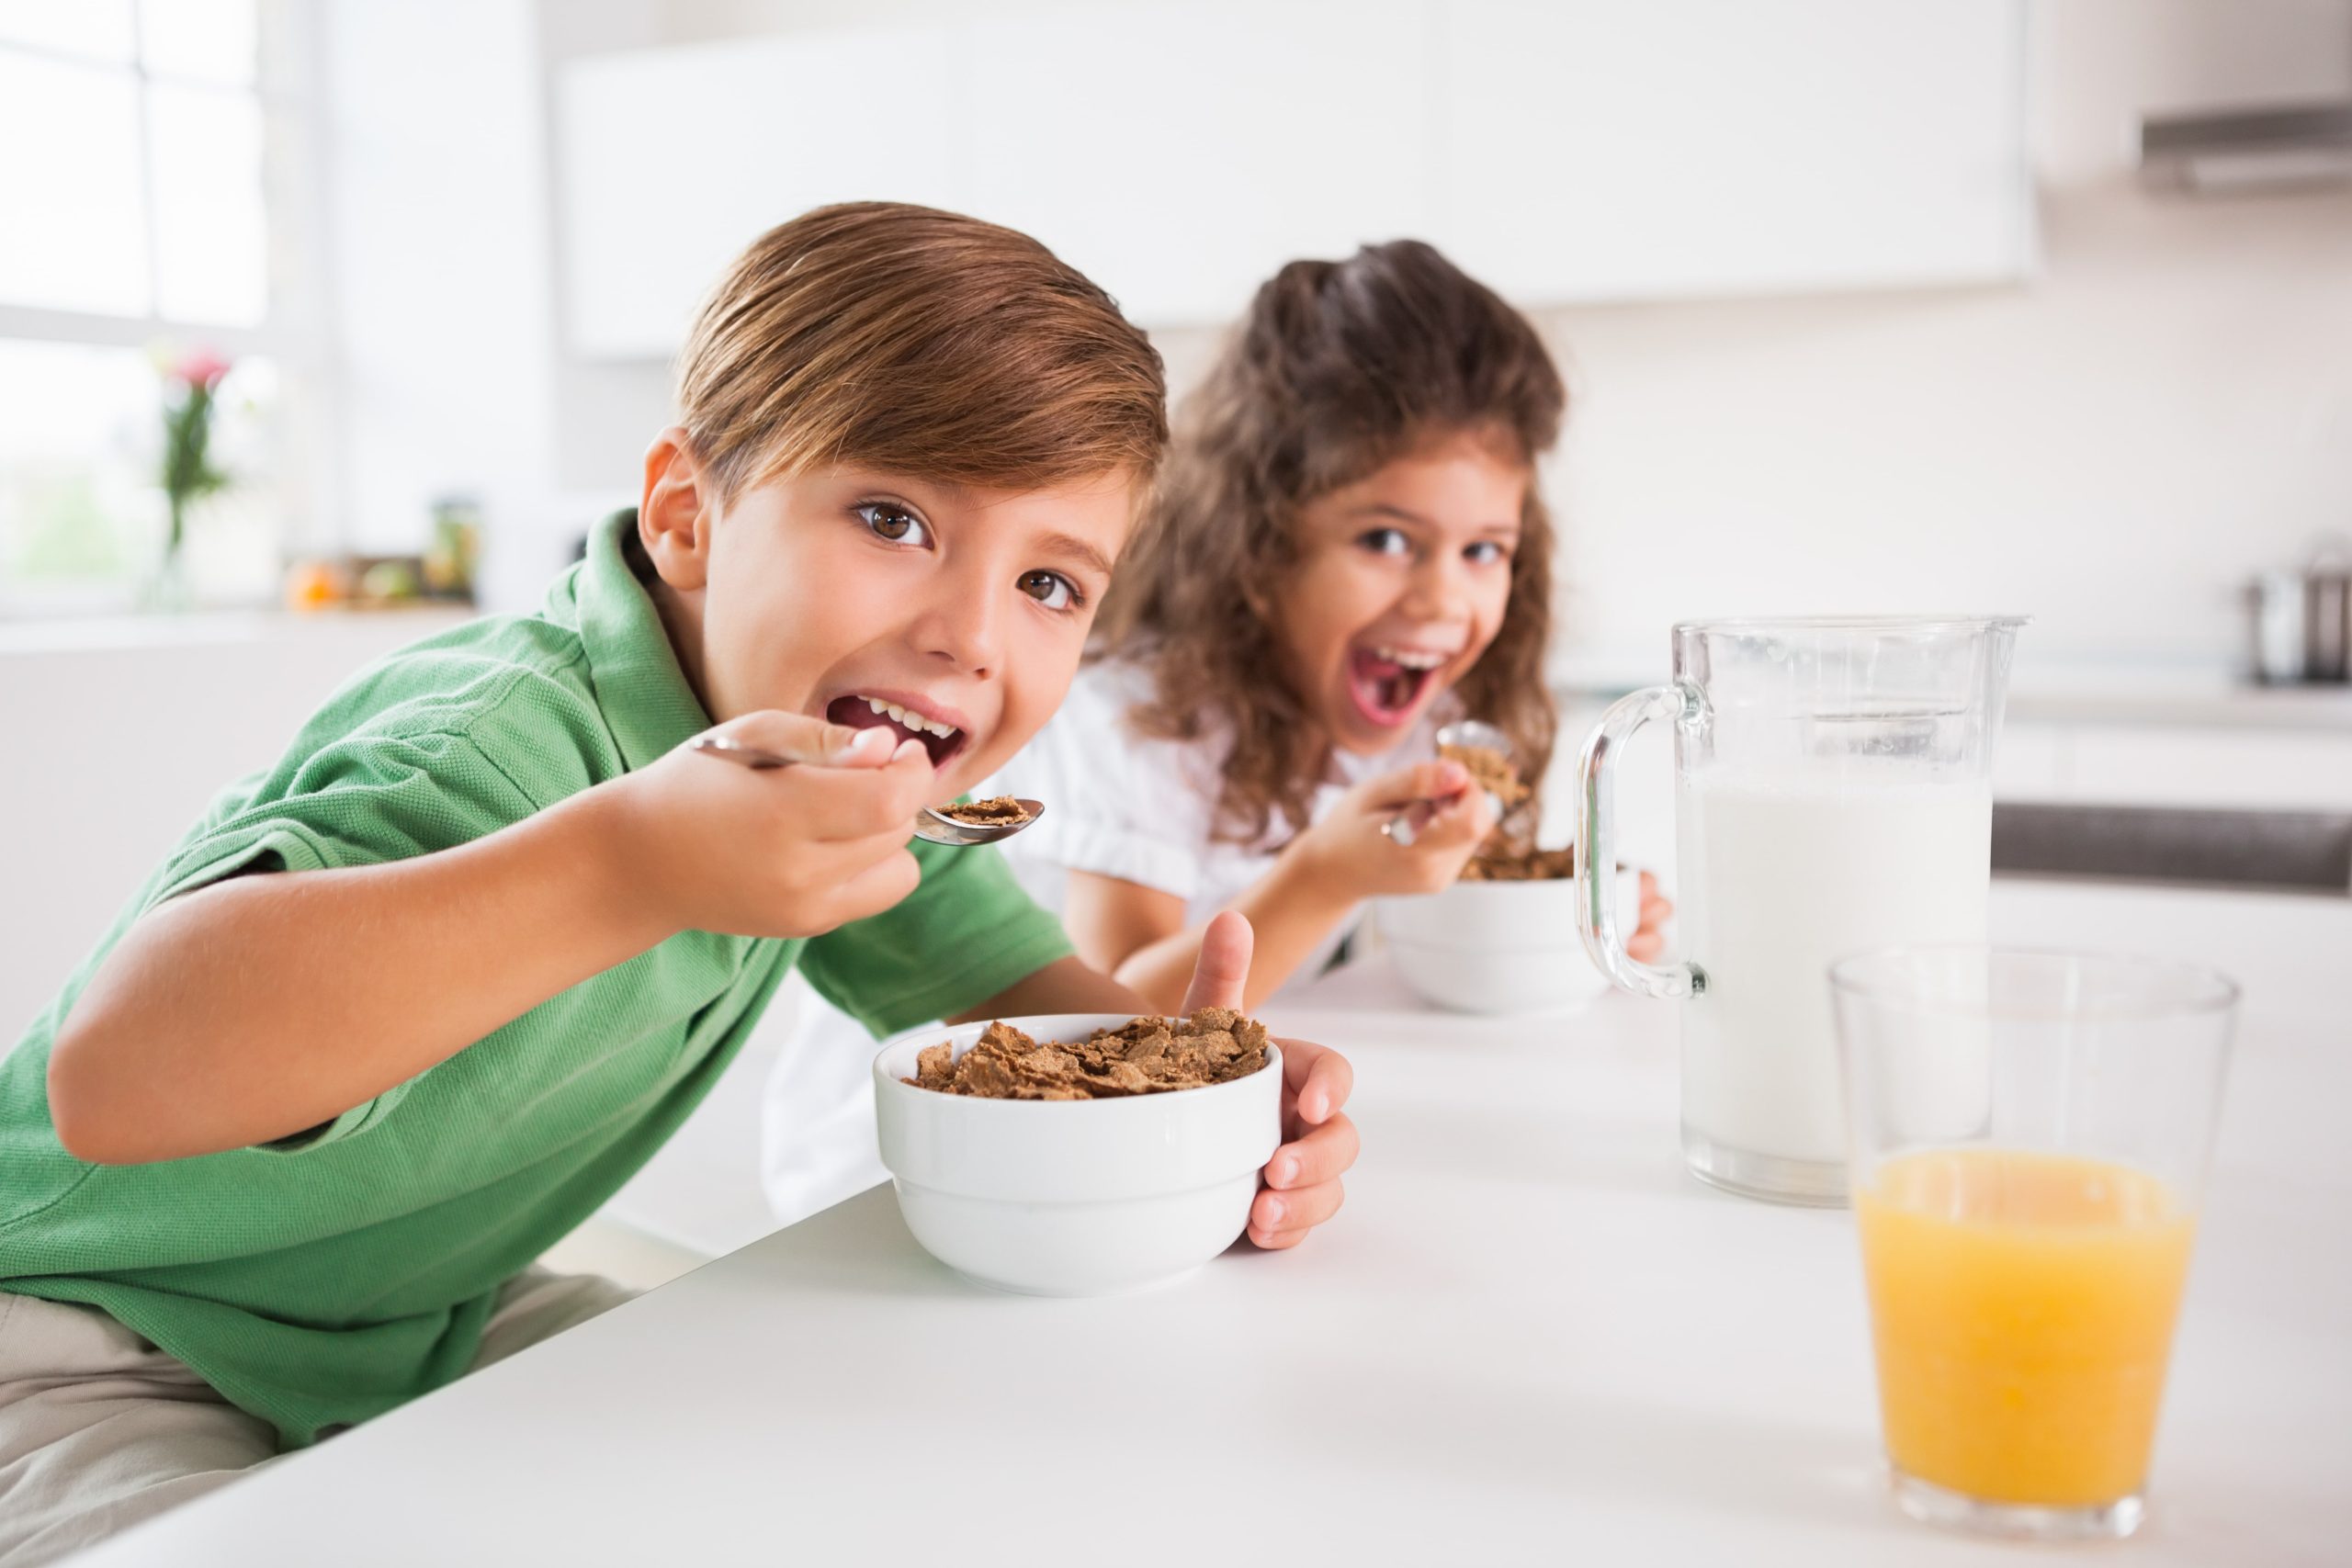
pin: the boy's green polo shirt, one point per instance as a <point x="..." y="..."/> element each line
<point x="327" y="1282"/>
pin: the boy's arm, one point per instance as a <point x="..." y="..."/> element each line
<point x="1303" y="1187"/>
<point x="264" y="1005"/>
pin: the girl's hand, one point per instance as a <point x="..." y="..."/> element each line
<point x="1302" y="1181"/>
<point x="1649" y="938"/>
<point x="1347" y="850"/>
<point x="781" y="851"/>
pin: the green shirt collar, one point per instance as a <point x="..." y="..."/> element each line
<point x="640" y="686"/>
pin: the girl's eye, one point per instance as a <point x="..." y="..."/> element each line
<point x="1486" y="551"/>
<point x="1386" y="542"/>
<point x="892" y="522"/>
<point x="1050" y="589"/>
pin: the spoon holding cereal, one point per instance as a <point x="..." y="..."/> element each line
<point x="1486" y="751"/>
<point x="960" y="826"/>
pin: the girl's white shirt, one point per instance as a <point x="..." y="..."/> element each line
<point x="1143" y="809"/>
<point x="1136" y="808"/>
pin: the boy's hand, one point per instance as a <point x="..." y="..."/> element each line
<point x="1302" y="1181"/>
<point x="1348" y="849"/>
<point x="782" y="852"/>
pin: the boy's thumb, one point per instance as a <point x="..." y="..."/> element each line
<point x="1222" y="973"/>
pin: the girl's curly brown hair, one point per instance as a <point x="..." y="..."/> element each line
<point x="1339" y="369"/>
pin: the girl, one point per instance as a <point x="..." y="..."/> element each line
<point x="1347" y="549"/>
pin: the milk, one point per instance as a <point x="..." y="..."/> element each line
<point x="1775" y="884"/>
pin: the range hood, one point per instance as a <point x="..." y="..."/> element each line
<point x="2248" y="149"/>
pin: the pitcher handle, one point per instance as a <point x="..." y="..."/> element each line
<point x="1597" y="841"/>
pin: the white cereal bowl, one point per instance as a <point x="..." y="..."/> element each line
<point x="1497" y="947"/>
<point x="1076" y="1197"/>
<point x="1498" y="984"/>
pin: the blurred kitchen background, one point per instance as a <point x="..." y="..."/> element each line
<point x="1983" y="305"/>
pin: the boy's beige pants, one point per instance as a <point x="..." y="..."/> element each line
<point x="99" y="1430"/>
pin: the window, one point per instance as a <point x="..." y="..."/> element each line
<point x="153" y="157"/>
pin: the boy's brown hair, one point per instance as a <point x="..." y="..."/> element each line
<point x="1339" y="369"/>
<point x="906" y="338"/>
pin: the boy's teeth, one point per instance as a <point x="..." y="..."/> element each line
<point x="911" y="718"/>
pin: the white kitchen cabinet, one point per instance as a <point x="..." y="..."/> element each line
<point x="1178" y="154"/>
<point x="670" y="160"/>
<point x="1564" y="149"/>
<point x="1596" y="150"/>
<point x="2233" y="767"/>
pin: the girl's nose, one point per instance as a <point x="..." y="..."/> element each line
<point x="1440" y="590"/>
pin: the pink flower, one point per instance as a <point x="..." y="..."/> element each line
<point x="201" y="367"/>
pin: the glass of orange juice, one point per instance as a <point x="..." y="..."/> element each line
<point x="2027" y="1134"/>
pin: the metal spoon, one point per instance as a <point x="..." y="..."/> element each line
<point x="1406" y="826"/>
<point x="932" y="826"/>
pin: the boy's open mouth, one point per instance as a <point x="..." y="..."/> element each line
<point x="1387" y="683"/>
<point x="942" y="739"/>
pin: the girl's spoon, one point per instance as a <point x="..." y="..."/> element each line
<point x="932" y="826"/>
<point x="1407" y="824"/>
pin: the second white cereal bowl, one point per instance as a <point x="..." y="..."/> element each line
<point x="1074" y="1197"/>
<point x="1497" y="947"/>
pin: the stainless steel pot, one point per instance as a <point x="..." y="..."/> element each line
<point x="2300" y="622"/>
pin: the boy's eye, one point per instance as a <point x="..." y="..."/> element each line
<point x="892" y="522"/>
<point x="1486" y="551"/>
<point x="1050" y="589"/>
<point x="1385" y="541"/>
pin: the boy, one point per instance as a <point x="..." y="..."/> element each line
<point x="405" y="1010"/>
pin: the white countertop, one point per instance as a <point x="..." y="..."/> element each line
<point x="370" y="629"/>
<point x="2153" y="692"/>
<point x="1529" y="1336"/>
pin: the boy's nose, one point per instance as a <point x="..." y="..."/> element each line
<point x="960" y="624"/>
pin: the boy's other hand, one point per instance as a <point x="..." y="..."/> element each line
<point x="1452" y="819"/>
<point x="1302" y="1181"/>
<point x="789" y="852"/>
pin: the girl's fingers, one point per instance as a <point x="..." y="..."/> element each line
<point x="1318" y="1079"/>
<point x="1644" y="945"/>
<point x="1282" y="1219"/>
<point x="1424" y="781"/>
<point x="1468" y="817"/>
<point x="1322" y="1154"/>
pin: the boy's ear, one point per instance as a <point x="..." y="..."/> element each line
<point x="674" y="516"/>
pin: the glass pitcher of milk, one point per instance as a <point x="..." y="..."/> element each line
<point x="1833" y="795"/>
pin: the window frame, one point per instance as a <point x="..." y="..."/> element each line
<point x="294" y="332"/>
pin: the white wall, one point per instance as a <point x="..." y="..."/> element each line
<point x="444" y="305"/>
<point x="2111" y="447"/>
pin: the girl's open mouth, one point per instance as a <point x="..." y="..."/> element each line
<point x="1387" y="683"/>
<point x="941" y="740"/>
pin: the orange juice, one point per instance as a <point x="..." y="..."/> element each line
<point x="2022" y="1306"/>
